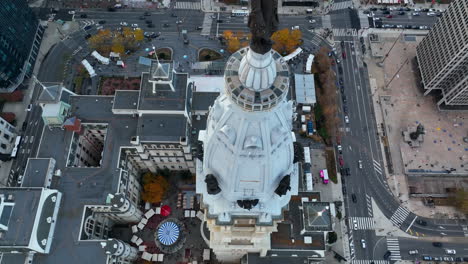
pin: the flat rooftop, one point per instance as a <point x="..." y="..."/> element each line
<point x="165" y="128"/>
<point x="126" y="100"/>
<point x="163" y="98"/>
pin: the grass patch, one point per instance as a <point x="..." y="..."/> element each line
<point x="331" y="165"/>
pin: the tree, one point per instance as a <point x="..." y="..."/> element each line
<point x="331" y="237"/>
<point x="460" y="200"/>
<point x="233" y="45"/>
<point x="322" y="61"/>
<point x="154" y="188"/>
<point x="228" y="34"/>
<point x="118" y="47"/>
<point x="139" y="36"/>
<point x="286" y="41"/>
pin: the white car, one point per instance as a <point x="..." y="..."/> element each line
<point x="71" y="12"/>
<point x="360" y="164"/>
<point x="415" y="13"/>
<point x="431" y="14"/>
<point x="29" y="108"/>
<point x="123" y="24"/>
<point x="346" y="119"/>
<point x="413" y="252"/>
<point x="400" y="26"/>
<point x="312" y="21"/>
<point x="363" y="243"/>
<point x="134" y="25"/>
<point x="450" y="251"/>
<point x="417" y="10"/>
<point x="355" y="224"/>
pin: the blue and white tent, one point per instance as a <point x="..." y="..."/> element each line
<point x="168" y="233"/>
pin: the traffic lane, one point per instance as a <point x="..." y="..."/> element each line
<point x="425" y="248"/>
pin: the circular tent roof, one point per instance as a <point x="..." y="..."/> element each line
<point x="168" y="233"/>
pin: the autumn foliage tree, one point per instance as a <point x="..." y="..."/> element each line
<point x="154" y="187"/>
<point x="286" y="41"/>
<point x="460" y="200"/>
<point x="326" y="95"/>
<point x="117" y="41"/>
<point x="236" y="40"/>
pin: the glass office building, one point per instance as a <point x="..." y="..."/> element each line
<point x="20" y="37"/>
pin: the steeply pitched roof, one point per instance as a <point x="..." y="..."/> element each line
<point x="50" y="94"/>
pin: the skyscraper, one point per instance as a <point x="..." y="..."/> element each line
<point x="19" y="43"/>
<point x="443" y="56"/>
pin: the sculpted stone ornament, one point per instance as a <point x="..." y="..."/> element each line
<point x="263" y="22"/>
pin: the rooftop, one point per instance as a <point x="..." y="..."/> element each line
<point x="166" y="128"/>
<point x="201" y="101"/>
<point x="163" y="98"/>
<point x="126" y="99"/>
<point x="316" y="216"/>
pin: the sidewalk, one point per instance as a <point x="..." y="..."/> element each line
<point x="212" y="6"/>
<point x="50" y="38"/>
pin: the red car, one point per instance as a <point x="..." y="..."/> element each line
<point x="343" y="54"/>
<point x="388" y="16"/>
<point x="341" y="161"/>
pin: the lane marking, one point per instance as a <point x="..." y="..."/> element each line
<point x="412" y="222"/>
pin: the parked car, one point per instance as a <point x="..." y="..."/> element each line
<point x="343" y="54"/>
<point x="342" y="90"/>
<point x="346" y="119"/>
<point x="150" y="25"/>
<point x="345" y="109"/>
<point x="458" y="259"/>
<point x="413" y="252"/>
<point x="83" y="15"/>
<point x="338" y="61"/>
<point x="71" y="12"/>
<point x="348" y="173"/>
<point x="360" y="164"/>
<point x="124" y="24"/>
<point x="340" y="149"/>
<point x="29" y="107"/>
<point x="431" y="14"/>
<point x="353" y="197"/>
<point x="344" y="190"/>
<point x="199" y="28"/>
<point x="450" y="251"/>
<point x="341" y="161"/>
<point x="363" y="243"/>
<point x="400" y="26"/>
<point x="401" y="13"/>
<point x="134" y="25"/>
<point x="87" y="36"/>
<point x="102" y="22"/>
<point x="449" y="259"/>
<point x="388" y="16"/>
<point x="343" y="98"/>
<point x="340" y="70"/>
<point x="166" y="25"/>
<point x="427" y="258"/>
<point x="415" y="14"/>
<point x="87" y="27"/>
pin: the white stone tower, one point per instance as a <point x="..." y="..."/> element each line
<point x="126" y="211"/>
<point x="120" y="250"/>
<point x="247" y="174"/>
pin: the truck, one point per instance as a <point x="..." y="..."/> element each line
<point x="184" y="35"/>
<point x="306" y="109"/>
<point x="303" y="119"/>
<point x="206" y="254"/>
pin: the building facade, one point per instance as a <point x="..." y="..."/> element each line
<point x="7" y="137"/>
<point x="443" y="56"/>
<point x="20" y="39"/>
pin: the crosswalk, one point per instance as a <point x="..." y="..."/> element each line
<point x="188" y="5"/>
<point x="377" y="167"/>
<point x="363" y="223"/>
<point x="465" y="230"/>
<point x="343" y="32"/>
<point x="87" y="22"/>
<point x="369" y="205"/>
<point x="367" y="261"/>
<point x="207" y="21"/>
<point x="399" y="216"/>
<point x="341" y="5"/>
<point x="393" y="245"/>
<point x="326" y="21"/>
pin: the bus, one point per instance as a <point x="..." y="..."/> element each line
<point x="306" y="155"/>
<point x="14" y="152"/>
<point x="240" y="12"/>
<point x="324" y="176"/>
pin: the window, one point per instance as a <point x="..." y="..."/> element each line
<point x="3" y="146"/>
<point x="6" y="136"/>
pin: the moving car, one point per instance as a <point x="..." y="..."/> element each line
<point x="363" y="243"/>
<point x="355" y="224"/>
<point x="347" y="172"/>
<point x="343" y="54"/>
<point x="437" y="244"/>
<point x="340" y="149"/>
<point x="341" y="161"/>
<point x="123" y="24"/>
<point x="101" y="22"/>
<point x="427" y="258"/>
<point x="345" y="109"/>
<point x="83" y="15"/>
<point x="166" y="25"/>
<point x="346" y="119"/>
<point x="388" y="16"/>
<point x="360" y="164"/>
<point x="147" y="14"/>
<point x="431" y="14"/>
<point x="353" y="197"/>
<point x="29" y="108"/>
<point x="415" y="13"/>
<point x="448" y="259"/>
<point x="387" y="255"/>
<point x="413" y="252"/>
<point x="134" y="25"/>
<point x="344" y="99"/>
<point x="422" y="222"/>
<point x="401" y="13"/>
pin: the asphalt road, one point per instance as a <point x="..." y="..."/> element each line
<point x="407" y="19"/>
